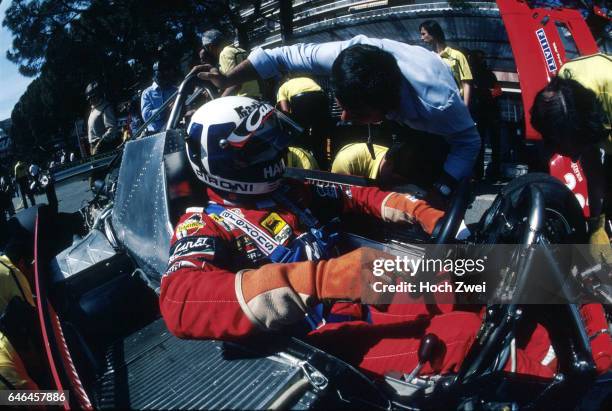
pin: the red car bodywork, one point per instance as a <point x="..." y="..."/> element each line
<point x="538" y="48"/>
<point x="542" y="41"/>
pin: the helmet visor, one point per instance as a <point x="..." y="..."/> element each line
<point x="269" y="141"/>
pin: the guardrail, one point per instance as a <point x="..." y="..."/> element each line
<point x="84" y="167"/>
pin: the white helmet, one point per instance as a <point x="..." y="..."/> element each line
<point x="236" y="144"/>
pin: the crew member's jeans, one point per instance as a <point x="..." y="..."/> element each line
<point x="488" y="126"/>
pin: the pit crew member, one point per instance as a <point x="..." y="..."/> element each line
<point x="377" y="79"/>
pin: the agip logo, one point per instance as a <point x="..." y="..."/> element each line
<point x="548" y="54"/>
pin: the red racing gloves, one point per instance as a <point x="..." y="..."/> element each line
<point x="407" y="208"/>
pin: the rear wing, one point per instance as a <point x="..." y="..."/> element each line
<point x="542" y="41"/>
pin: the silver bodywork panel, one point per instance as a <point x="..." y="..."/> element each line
<point x="141" y="216"/>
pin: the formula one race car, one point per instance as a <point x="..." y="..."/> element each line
<point x="105" y="342"/>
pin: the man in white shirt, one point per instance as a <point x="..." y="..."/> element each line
<point x="102" y="128"/>
<point x="377" y="79"/>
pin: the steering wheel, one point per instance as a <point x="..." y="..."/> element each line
<point x="453" y="217"/>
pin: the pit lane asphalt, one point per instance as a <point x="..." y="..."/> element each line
<point x="73" y="194"/>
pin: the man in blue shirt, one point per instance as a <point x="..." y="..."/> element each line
<point x="156" y="95"/>
<point x="377" y="79"/>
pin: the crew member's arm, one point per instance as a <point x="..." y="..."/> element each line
<point x="228" y="61"/>
<point x="466" y="78"/>
<point x="316" y="59"/>
<point x="284" y="106"/>
<point x="467" y="90"/>
<point x="282" y="98"/>
<point x="146" y="106"/>
<point x="464" y="148"/>
<point x="110" y="123"/>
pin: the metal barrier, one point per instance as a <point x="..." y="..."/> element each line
<point x="86" y="166"/>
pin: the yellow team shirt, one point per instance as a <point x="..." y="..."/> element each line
<point x="595" y="73"/>
<point x="297" y="157"/>
<point x="13" y="284"/>
<point x="459" y="65"/>
<point x="229" y="58"/>
<point x="355" y="159"/>
<point x="296" y="86"/>
<point x="12" y="368"/>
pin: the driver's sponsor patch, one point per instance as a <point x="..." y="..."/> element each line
<point x="218" y="219"/>
<point x="277" y="227"/>
<point x="190" y="226"/>
<point x="261" y="238"/>
<point x="246" y="245"/>
<point x="195" y="246"/>
<point x="178" y="265"/>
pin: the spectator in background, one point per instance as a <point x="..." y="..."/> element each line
<point x="217" y="51"/>
<point x="102" y="125"/>
<point x="433" y="36"/>
<point x="42" y="180"/>
<point x="6" y="199"/>
<point x="154" y="96"/>
<point x="304" y="100"/>
<point x="485" y="111"/>
<point x="21" y="176"/>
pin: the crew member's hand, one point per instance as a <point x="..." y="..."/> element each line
<point x="279" y="294"/>
<point x="213" y="75"/>
<point x="442" y="191"/>
<point x="199" y="68"/>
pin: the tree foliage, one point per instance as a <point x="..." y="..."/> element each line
<point x="68" y="43"/>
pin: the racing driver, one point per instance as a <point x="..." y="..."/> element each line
<point x="256" y="257"/>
